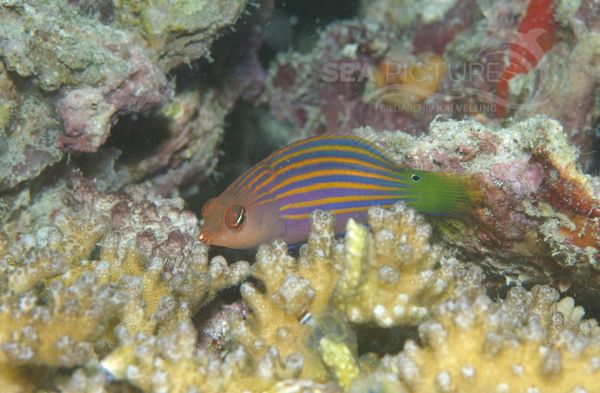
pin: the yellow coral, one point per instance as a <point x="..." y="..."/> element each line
<point x="293" y="289"/>
<point x="297" y="314"/>
<point x="269" y="329"/>
<point x="61" y="332"/>
<point x="273" y="345"/>
<point x="145" y="275"/>
<point x="392" y="275"/>
<point x="126" y="313"/>
<point x="339" y="358"/>
<point x="33" y="258"/>
<point x="172" y="363"/>
<point x="476" y="345"/>
<point x="15" y="379"/>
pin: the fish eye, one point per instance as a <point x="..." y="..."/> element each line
<point x="235" y="217"/>
<point x="415" y="178"/>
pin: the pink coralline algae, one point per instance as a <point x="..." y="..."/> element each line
<point x="88" y="113"/>
<point x="323" y="90"/>
<point x="69" y="78"/>
<point x="536" y="203"/>
<point x="63" y="51"/>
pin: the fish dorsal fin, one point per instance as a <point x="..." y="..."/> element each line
<point x="370" y="138"/>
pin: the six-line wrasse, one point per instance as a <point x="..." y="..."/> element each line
<point x="343" y="174"/>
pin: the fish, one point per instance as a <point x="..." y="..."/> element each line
<point x="344" y="174"/>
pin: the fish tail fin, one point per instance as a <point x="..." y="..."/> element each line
<point x="444" y="194"/>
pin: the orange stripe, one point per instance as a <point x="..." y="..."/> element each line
<point x="282" y="157"/>
<point x="315" y="174"/>
<point x="341" y="160"/>
<point x="348" y="198"/>
<point x="324" y="137"/>
<point x="321" y="186"/>
<point x="336" y="212"/>
<point x="299" y="164"/>
<point x="247" y="174"/>
<point x="330" y="147"/>
<point x="270" y="176"/>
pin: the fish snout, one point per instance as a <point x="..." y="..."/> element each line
<point x="203" y="237"/>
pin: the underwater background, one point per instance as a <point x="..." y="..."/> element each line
<point x="120" y="119"/>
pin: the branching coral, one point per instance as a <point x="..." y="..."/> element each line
<point x="528" y="342"/>
<point x="171" y="363"/>
<point x="122" y="302"/>
<point x="393" y="275"/>
<point x="293" y="289"/>
<point x="300" y="315"/>
<point x="430" y="283"/>
<point x="60" y="326"/>
<point x="291" y="334"/>
<point x="126" y="261"/>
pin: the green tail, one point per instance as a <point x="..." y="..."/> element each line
<point x="439" y="193"/>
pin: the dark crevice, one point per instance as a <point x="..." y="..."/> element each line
<point x="95" y="253"/>
<point x="382" y="341"/>
<point x="295" y="25"/>
<point x="139" y="136"/>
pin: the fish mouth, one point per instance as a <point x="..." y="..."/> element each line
<point x="203" y="237"/>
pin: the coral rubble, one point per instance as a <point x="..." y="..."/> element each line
<point x="28" y="131"/>
<point x="322" y="90"/>
<point x="61" y="50"/>
<point x="182" y="30"/>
